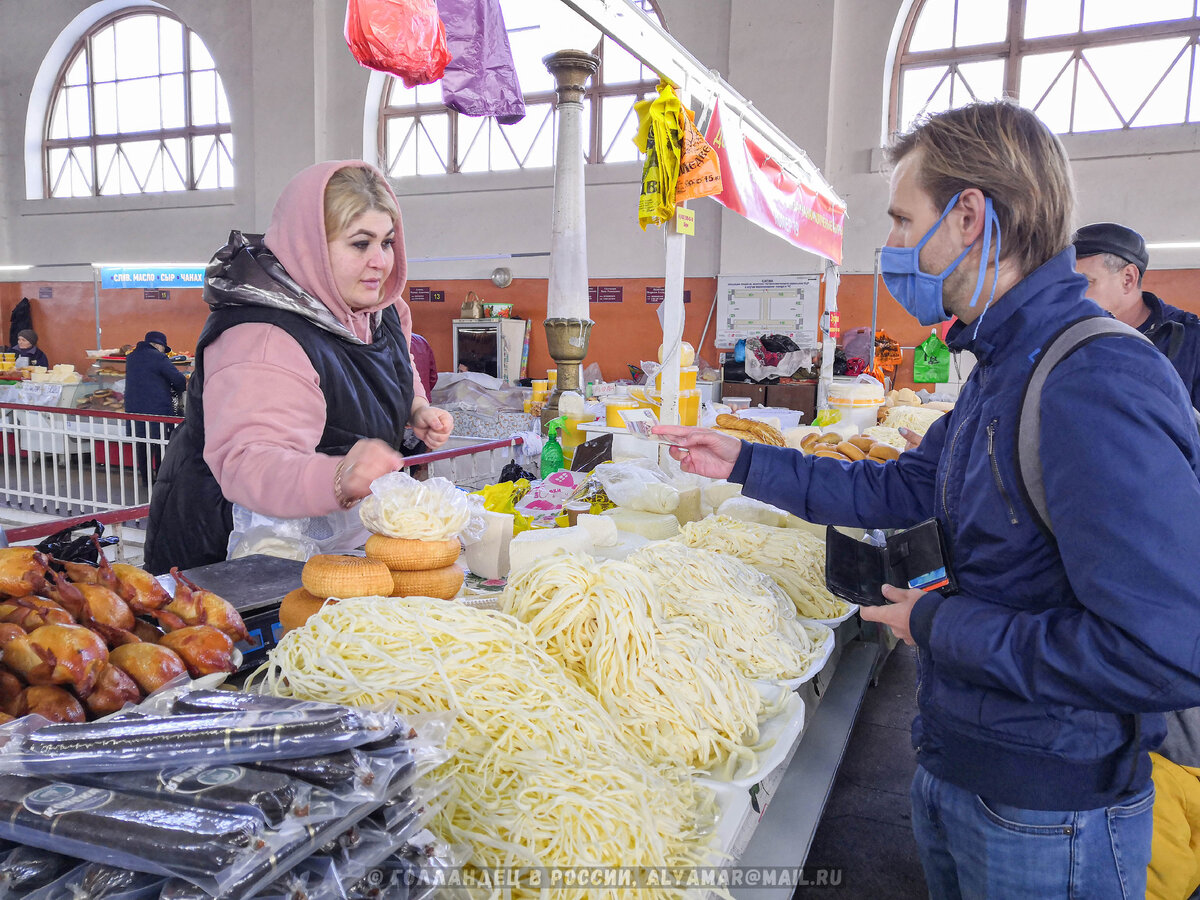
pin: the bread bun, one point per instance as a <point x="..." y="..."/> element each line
<point x="883" y="452"/>
<point x="830" y="453"/>
<point x="830" y="437"/>
<point x="441" y="584"/>
<point x="808" y="442"/>
<point x="297" y="607"/>
<point x="862" y="442"/>
<point x="850" y="451"/>
<point x="404" y="555"/>
<point x="751" y="430"/>
<point x="346" y="576"/>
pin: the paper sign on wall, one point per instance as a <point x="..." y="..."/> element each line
<point x="750" y="307"/>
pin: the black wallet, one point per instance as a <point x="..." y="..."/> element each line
<point x="916" y="557"/>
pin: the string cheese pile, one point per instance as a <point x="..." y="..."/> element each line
<point x="399" y="506"/>
<point x="541" y="777"/>
<point x="665" y="683"/>
<point x="794" y="559"/>
<point x="739" y="609"/>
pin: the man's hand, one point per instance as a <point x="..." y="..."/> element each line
<point x="431" y="425"/>
<point x="701" y="451"/>
<point x="896" y="614"/>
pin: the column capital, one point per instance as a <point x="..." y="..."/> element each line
<point x="571" y="70"/>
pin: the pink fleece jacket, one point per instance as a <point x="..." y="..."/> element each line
<point x="264" y="409"/>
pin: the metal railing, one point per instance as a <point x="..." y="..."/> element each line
<point x="78" y="462"/>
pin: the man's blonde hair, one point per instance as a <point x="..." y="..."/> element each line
<point x="352" y="191"/>
<point x="1008" y="153"/>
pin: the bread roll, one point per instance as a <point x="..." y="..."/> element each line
<point x="404" y="555"/>
<point x="442" y="584"/>
<point x="862" y="442"/>
<point x="827" y="451"/>
<point x="346" y="576"/>
<point x="809" y="441"/>
<point x="883" y="452"/>
<point x="850" y="451"/>
<point x="297" y="607"/>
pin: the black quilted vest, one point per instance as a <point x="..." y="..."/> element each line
<point x="368" y="392"/>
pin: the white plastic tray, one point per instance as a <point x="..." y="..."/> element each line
<point x="776" y="737"/>
<point x="827" y="640"/>
<point x="838" y="620"/>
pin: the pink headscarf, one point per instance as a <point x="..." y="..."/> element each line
<point x="297" y="237"/>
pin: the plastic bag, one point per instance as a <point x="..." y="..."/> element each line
<point x="69" y="546"/>
<point x="660" y="138"/>
<point x="931" y="360"/>
<point x="699" y="171"/>
<point x="481" y="78"/>
<point x="405" y="38"/>
<point x="433" y="510"/>
<point x="338" y="532"/>
<point x="638" y="486"/>
<point x="503" y="497"/>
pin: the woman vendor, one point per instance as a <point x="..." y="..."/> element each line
<point x="304" y="381"/>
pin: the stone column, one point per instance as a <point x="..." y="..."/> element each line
<point x="568" y="326"/>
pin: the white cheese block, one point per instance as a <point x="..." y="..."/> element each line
<point x="601" y="529"/>
<point x="747" y="510"/>
<point x="489" y="556"/>
<point x="719" y="491"/>
<point x="654" y="526"/>
<point x="534" y="545"/>
<point x="689" y="506"/>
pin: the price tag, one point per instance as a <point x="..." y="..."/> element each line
<point x="685" y="221"/>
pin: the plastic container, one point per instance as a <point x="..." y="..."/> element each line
<point x="573" y="435"/>
<point x="689" y="407"/>
<point x="552" y="378"/>
<point x="498" y="310"/>
<point x="613" y="407"/>
<point x="687" y="378"/>
<point x="540" y="385"/>
<point x="858" y="403"/>
<point x="736" y="403"/>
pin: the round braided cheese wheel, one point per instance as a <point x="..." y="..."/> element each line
<point x="326" y="575"/>
<point x="441" y="584"/>
<point x="297" y="607"/>
<point x="404" y="555"/>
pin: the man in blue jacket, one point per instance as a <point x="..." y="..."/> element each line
<point x="1042" y="682"/>
<point x="152" y="387"/>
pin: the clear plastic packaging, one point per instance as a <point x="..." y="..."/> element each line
<point x="96" y="881"/>
<point x="23" y="869"/>
<point x="399" y="506"/>
<point x="149" y="741"/>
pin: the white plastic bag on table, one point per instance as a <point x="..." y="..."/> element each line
<point x="639" y="485"/>
<point x="339" y="532"/>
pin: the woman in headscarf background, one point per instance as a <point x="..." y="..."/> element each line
<point x="304" y="380"/>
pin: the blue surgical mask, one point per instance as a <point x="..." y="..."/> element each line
<point x="920" y="293"/>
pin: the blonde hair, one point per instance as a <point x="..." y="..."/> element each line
<point x="1005" y="151"/>
<point x="352" y="191"/>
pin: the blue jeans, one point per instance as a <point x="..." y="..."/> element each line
<point x="972" y="849"/>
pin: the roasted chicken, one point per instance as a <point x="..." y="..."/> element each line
<point x="22" y="571"/>
<point x="51" y="702"/>
<point x="203" y="648"/>
<point x="139" y="588"/>
<point x="58" y="654"/>
<point x="10" y="689"/>
<point x="149" y="665"/>
<point x="195" y="606"/>
<point x="32" y="612"/>
<point x="114" y="688"/>
<point x="92" y="604"/>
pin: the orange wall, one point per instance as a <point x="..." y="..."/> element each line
<point x="66" y="322"/>
<point x="626" y="332"/>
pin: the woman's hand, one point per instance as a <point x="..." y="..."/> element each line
<point x="700" y="450"/>
<point x="432" y="425"/>
<point x="367" y="460"/>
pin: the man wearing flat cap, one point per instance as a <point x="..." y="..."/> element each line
<point x="152" y="386"/>
<point x="1113" y="258"/>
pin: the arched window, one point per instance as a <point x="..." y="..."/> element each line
<point x="1081" y="65"/>
<point x="139" y="108"/>
<point x="418" y="135"/>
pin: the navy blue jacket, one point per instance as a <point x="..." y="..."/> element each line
<point x="1033" y="675"/>
<point x="35" y="355"/>
<point x="151" y="382"/>
<point x="1186" y="358"/>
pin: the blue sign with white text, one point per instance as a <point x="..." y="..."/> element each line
<point x="152" y="277"/>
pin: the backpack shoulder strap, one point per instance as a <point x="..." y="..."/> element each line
<point x="1029" y="428"/>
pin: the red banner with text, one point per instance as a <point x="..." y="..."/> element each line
<point x="754" y="186"/>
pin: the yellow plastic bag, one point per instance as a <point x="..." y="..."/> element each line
<point x="503" y="497"/>
<point x="699" y="171"/>
<point x="660" y="137"/>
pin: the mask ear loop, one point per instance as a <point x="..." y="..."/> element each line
<point x="991" y="217"/>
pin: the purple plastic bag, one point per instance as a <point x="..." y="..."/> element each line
<point x="481" y="79"/>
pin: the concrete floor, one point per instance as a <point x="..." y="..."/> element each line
<point x="866" y="830"/>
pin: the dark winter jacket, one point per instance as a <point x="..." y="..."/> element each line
<point x="1042" y="682"/>
<point x="1177" y="334"/>
<point x="151" y="382"/>
<point x="368" y="394"/>
<point x="35" y="355"/>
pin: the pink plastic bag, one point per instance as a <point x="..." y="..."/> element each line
<point x="405" y="38"/>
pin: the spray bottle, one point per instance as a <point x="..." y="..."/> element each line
<point x="552" y="452"/>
